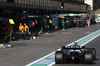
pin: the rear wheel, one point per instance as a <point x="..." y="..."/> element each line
<point x="94" y="52"/>
<point x="59" y="58"/>
<point x="83" y="46"/>
<point x="88" y="58"/>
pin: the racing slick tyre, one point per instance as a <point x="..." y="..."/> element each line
<point x="94" y="52"/>
<point x="88" y="57"/>
<point x="59" y="57"/>
<point x="83" y="46"/>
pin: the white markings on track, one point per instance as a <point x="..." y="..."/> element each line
<point x="48" y="60"/>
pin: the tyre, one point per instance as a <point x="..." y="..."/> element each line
<point x="59" y="58"/>
<point x="94" y="52"/>
<point x="83" y="46"/>
<point x="88" y="57"/>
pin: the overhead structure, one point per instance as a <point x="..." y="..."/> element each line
<point x="16" y="8"/>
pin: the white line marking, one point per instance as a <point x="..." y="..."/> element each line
<point x="60" y="49"/>
<point x="51" y="64"/>
<point x="40" y="59"/>
<point x="82" y="38"/>
<point x="90" y="40"/>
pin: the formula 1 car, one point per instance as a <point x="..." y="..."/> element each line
<point x="75" y="54"/>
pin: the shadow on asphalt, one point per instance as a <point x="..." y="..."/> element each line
<point x="19" y="44"/>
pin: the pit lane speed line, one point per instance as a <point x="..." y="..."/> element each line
<point x="49" y="59"/>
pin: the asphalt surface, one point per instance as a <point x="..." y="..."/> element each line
<point x="27" y="51"/>
<point x="93" y="44"/>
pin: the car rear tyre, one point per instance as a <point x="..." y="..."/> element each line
<point x="59" y="58"/>
<point x="94" y="53"/>
<point x="88" y="58"/>
<point x="83" y="46"/>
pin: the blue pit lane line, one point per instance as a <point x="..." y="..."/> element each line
<point x="49" y="59"/>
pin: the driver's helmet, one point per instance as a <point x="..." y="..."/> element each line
<point x="75" y="42"/>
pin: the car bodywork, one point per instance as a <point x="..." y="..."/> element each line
<point x="75" y="53"/>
